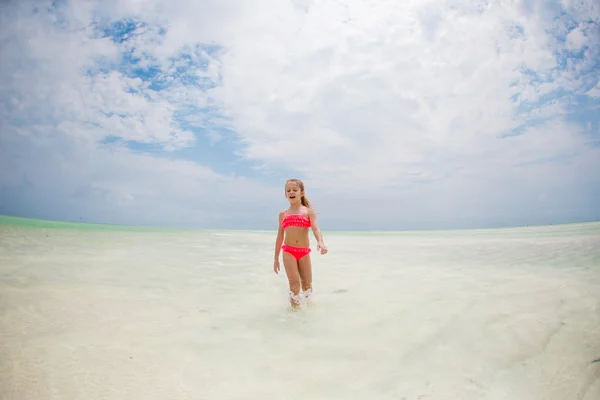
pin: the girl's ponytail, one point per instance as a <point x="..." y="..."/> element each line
<point x="305" y="202"/>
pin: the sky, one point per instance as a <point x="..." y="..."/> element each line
<point x="413" y="114"/>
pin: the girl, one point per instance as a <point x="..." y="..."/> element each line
<point x="292" y="238"/>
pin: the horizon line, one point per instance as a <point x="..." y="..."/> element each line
<point x="58" y="222"/>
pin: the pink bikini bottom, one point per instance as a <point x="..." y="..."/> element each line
<point x="297" y="252"/>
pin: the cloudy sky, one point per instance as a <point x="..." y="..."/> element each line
<point x="413" y="114"/>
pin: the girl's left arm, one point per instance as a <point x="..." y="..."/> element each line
<point x="317" y="231"/>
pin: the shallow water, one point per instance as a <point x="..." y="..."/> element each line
<point x="117" y="313"/>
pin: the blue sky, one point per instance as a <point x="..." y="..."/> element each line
<point x="408" y="115"/>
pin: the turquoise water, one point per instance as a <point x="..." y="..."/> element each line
<point x="584" y="228"/>
<point x="19" y="222"/>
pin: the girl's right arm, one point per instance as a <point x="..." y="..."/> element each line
<point x="279" y="239"/>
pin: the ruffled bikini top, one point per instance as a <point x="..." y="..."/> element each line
<point x="299" y="220"/>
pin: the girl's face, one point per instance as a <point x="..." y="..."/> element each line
<point x="293" y="192"/>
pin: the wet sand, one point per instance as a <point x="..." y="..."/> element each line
<point x="121" y="314"/>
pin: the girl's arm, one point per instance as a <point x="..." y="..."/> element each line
<point x="315" y="228"/>
<point x="279" y="239"/>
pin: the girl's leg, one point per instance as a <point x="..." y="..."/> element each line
<point x="305" y="272"/>
<point x="291" y="270"/>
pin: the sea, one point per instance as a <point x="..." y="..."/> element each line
<point x="92" y="312"/>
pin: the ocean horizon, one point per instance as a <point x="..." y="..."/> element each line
<point x="55" y="223"/>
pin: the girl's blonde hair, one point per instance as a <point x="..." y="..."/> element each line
<point x="300" y="184"/>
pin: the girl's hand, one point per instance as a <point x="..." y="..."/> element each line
<point x="322" y="248"/>
<point x="276" y="266"/>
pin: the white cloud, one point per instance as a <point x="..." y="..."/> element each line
<point x="76" y="179"/>
<point x="404" y="101"/>
<point x="594" y="91"/>
<point x="369" y="93"/>
<point x="576" y="39"/>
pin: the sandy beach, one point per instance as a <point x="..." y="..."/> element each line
<point x="121" y="313"/>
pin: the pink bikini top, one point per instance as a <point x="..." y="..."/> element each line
<point x="298" y="220"/>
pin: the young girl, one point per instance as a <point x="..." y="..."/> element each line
<point x="292" y="238"/>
